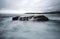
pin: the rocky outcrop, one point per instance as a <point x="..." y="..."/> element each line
<point x="40" y="18"/>
<point x="28" y="18"/>
<point x="23" y="18"/>
<point x="15" y="18"/>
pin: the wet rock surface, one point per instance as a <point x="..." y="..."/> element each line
<point x="15" y="18"/>
<point x="40" y="18"/>
<point x="35" y="18"/>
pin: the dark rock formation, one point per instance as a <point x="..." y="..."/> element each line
<point x="15" y="18"/>
<point x="23" y="18"/>
<point x="28" y="18"/>
<point x="40" y="18"/>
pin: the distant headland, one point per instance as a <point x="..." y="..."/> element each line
<point x="53" y="12"/>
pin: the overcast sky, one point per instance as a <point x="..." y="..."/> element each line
<point x="17" y="6"/>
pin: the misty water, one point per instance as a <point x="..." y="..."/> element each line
<point x="29" y="29"/>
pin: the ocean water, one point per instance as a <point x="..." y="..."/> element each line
<point x="30" y="30"/>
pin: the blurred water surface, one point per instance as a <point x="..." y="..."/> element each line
<point x="30" y="30"/>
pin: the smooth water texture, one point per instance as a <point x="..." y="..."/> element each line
<point x="30" y="30"/>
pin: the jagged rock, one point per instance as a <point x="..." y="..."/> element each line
<point x="28" y="18"/>
<point x="40" y="18"/>
<point x="23" y="18"/>
<point x="15" y="18"/>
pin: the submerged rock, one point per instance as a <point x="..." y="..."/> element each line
<point x="32" y="18"/>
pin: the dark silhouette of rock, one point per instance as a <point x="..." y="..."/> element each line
<point x="23" y="18"/>
<point x="40" y="18"/>
<point x="28" y="18"/>
<point x="15" y="18"/>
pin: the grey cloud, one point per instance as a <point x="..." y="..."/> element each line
<point x="41" y="5"/>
